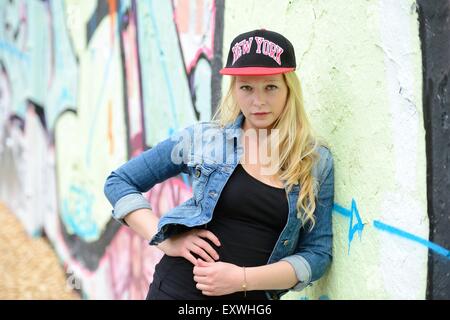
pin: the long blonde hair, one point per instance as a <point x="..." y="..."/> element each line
<point x="298" y="143"/>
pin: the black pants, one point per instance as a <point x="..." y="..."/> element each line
<point x="161" y="290"/>
<point x="155" y="292"/>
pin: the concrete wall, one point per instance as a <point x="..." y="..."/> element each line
<point x="86" y="85"/>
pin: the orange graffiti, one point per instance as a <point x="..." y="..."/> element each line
<point x="112" y="4"/>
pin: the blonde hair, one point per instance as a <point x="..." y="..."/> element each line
<point x="298" y="143"/>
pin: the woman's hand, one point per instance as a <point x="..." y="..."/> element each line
<point x="218" y="278"/>
<point x="187" y="243"/>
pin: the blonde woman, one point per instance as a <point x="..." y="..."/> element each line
<point x="259" y="221"/>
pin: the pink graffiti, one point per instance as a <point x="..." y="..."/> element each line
<point x="168" y="195"/>
<point x="203" y="29"/>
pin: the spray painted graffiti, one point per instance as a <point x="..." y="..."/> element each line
<point x="101" y="98"/>
<point x="15" y="29"/>
<point x="76" y="212"/>
<point x="401" y="233"/>
<point x="133" y="89"/>
<point x="359" y="226"/>
<point x="353" y="228"/>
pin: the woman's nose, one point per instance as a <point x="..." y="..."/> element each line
<point x="259" y="98"/>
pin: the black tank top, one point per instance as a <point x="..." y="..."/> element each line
<point x="248" y="219"/>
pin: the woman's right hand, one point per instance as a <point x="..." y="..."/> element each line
<point x="187" y="243"/>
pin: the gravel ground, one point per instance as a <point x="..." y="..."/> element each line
<point x="29" y="268"/>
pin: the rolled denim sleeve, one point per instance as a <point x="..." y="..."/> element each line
<point x="314" y="248"/>
<point x="128" y="204"/>
<point x="302" y="271"/>
<point x="124" y="186"/>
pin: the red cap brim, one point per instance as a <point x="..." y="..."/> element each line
<point x="254" y="71"/>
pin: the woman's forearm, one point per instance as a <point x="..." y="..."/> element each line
<point x="144" y="222"/>
<point x="278" y="275"/>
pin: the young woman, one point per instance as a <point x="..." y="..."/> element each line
<point x="259" y="221"/>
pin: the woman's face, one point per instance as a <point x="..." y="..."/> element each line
<point x="261" y="99"/>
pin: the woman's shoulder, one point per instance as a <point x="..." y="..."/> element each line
<point x="325" y="160"/>
<point x="324" y="152"/>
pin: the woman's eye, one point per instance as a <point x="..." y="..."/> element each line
<point x="271" y="87"/>
<point x="246" y="88"/>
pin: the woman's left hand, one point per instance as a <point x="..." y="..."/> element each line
<point x="218" y="278"/>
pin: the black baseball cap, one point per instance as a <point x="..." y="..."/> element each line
<point x="260" y="52"/>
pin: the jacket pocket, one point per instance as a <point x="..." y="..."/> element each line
<point x="201" y="174"/>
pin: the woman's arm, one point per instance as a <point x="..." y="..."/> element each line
<point x="125" y="185"/>
<point x="313" y="254"/>
<point x="144" y="222"/>
<point x="220" y="278"/>
<point x="276" y="276"/>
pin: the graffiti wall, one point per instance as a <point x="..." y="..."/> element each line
<point x="86" y="85"/>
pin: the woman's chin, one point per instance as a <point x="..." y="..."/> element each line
<point x="258" y="123"/>
<point x="261" y="125"/>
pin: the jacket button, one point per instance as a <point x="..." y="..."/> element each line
<point x="197" y="173"/>
<point x="285" y="242"/>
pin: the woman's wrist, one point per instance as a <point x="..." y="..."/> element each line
<point x="244" y="286"/>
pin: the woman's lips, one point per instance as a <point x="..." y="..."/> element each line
<point x="260" y="113"/>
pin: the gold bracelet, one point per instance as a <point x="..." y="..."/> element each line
<point x="244" y="285"/>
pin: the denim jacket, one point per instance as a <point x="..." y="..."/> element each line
<point x="209" y="154"/>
